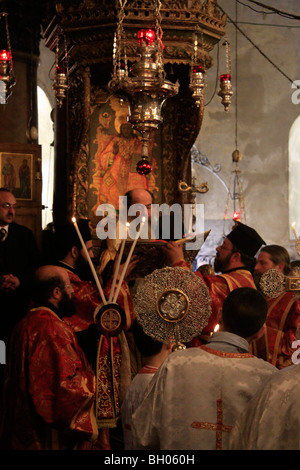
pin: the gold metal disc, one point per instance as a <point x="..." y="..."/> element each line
<point x="172" y="305"/>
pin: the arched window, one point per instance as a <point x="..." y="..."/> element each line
<point x="294" y="173"/>
<point x="46" y="136"/>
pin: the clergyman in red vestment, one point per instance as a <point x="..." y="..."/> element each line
<point x="283" y="319"/>
<point x="50" y="388"/>
<point x="235" y="260"/>
<point x="109" y="355"/>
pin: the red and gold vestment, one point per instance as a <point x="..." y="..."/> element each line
<point x="219" y="286"/>
<point x="49" y="389"/>
<point x="282" y="321"/>
<point x="113" y="374"/>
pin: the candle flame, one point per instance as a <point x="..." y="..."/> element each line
<point x="73" y="220"/>
<point x="216" y="327"/>
<point x="294" y="230"/>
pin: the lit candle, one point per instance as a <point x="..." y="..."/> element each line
<point x="293" y="227"/>
<point x="127" y="261"/>
<point x="89" y="261"/>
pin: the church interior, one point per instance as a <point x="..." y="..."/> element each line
<point x="245" y="153"/>
<point x="196" y="102"/>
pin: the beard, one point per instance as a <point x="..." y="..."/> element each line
<point x="66" y="306"/>
<point x="220" y="266"/>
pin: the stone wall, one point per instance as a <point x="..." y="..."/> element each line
<point x="265" y="115"/>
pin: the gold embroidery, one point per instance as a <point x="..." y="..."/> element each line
<point x="216" y="352"/>
<point x="107" y="385"/>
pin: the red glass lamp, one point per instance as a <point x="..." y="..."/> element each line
<point x="146" y="36"/>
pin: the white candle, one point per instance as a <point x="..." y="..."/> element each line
<point x="89" y="261"/>
<point x="127" y="261"/>
<point x="117" y="266"/>
<point x="116" y="271"/>
<point x="293" y="227"/>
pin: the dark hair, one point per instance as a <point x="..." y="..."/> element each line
<point x="65" y="237"/>
<point x="146" y="345"/>
<point x="244" y="311"/>
<point x="246" y="260"/>
<point x="42" y="289"/>
<point x="278" y="254"/>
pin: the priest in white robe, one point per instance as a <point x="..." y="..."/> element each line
<point x="271" y="420"/>
<point x="197" y="394"/>
<point x="153" y="355"/>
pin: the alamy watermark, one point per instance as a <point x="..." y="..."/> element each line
<point x="156" y="222"/>
<point x="296" y="94"/>
<point x="2" y="352"/>
<point x="296" y="354"/>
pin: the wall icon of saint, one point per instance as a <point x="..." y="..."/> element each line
<point x="117" y="151"/>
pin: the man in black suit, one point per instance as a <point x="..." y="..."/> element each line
<point x="19" y="257"/>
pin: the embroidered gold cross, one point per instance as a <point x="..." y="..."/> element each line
<point x="219" y="427"/>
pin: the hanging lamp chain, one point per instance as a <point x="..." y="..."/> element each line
<point x="228" y="57"/>
<point x="5" y="15"/>
<point x="119" y="42"/>
<point x="159" y="34"/>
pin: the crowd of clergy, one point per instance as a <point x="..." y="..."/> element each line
<point x="92" y="363"/>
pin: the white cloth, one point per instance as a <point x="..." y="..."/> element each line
<point x="133" y="398"/>
<point x="195" y="397"/>
<point x="271" y="421"/>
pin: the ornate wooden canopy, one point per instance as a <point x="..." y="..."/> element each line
<point x="89" y="27"/>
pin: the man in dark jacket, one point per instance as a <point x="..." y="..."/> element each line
<point x="19" y="257"/>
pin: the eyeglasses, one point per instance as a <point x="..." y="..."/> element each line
<point x="7" y="205"/>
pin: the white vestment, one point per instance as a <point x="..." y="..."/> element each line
<point x="271" y="421"/>
<point x="195" y="397"/>
<point x="133" y="398"/>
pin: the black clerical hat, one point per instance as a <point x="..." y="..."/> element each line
<point x="246" y="239"/>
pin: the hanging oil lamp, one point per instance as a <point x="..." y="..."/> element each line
<point x="225" y="81"/>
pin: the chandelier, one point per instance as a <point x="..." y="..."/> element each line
<point x="7" y="78"/>
<point x="197" y="74"/>
<point x="61" y="73"/>
<point x="144" y="85"/>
